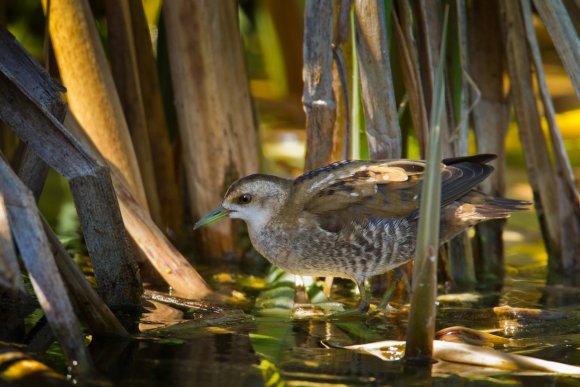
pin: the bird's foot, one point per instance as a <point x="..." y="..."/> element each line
<point x="360" y="311"/>
<point x="307" y="310"/>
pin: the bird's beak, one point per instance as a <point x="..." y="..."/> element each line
<point x="217" y="214"/>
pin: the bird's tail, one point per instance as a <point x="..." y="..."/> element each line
<point x="474" y="208"/>
<point x="493" y="208"/>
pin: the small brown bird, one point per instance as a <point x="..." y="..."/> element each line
<point x="355" y="219"/>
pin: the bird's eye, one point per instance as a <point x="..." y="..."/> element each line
<point x="245" y="198"/>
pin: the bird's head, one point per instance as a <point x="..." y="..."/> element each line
<point x="254" y="199"/>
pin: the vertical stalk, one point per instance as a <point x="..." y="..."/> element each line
<point x="356" y="102"/>
<point x="381" y="118"/>
<point x="169" y="189"/>
<point x="411" y="73"/>
<point x="318" y="97"/>
<point x="90" y="88"/>
<point x="125" y="72"/>
<point x="461" y="265"/>
<point x="421" y="327"/>
<point x="486" y="67"/>
<point x="559" y="25"/>
<point x="214" y="108"/>
<point x="568" y="204"/>
<point x="540" y="171"/>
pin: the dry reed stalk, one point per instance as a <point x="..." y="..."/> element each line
<point x="214" y="109"/>
<point x="540" y="171"/>
<point x="151" y="242"/>
<point x="342" y="124"/>
<point x="490" y="122"/>
<point x="382" y="121"/>
<point x="90" y="88"/>
<point x="318" y="97"/>
<point x="125" y="73"/>
<point x="26" y="93"/>
<point x="411" y="76"/>
<point x="169" y="190"/>
<point x="565" y="37"/>
<point x="47" y="283"/>
<point x="568" y="202"/>
<point x="460" y="254"/>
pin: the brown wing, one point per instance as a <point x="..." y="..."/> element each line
<point x="381" y="189"/>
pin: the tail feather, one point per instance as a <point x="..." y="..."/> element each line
<point x="474" y="208"/>
<point x="482" y="208"/>
<point x="497" y="208"/>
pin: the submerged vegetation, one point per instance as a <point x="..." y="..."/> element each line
<point x="168" y="103"/>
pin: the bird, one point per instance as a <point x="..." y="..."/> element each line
<point x="354" y="218"/>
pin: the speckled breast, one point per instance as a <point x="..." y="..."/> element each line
<point x="365" y="250"/>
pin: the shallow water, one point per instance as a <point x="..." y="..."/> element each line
<point x="268" y="350"/>
<point x="254" y="340"/>
<point x="226" y="348"/>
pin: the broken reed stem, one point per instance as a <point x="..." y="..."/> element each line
<point x="47" y="283"/>
<point x="163" y="256"/>
<point x="24" y="87"/>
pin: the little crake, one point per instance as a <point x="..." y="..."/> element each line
<point x="355" y="219"/>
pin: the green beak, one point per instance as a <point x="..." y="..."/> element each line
<point x="217" y="214"/>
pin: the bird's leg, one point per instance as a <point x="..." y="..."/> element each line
<point x="300" y="295"/>
<point x="327" y="289"/>
<point x="398" y="278"/>
<point x="364" y="302"/>
<point x="363" y="305"/>
<point x="388" y="295"/>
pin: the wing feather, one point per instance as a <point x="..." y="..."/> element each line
<point x="347" y="190"/>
